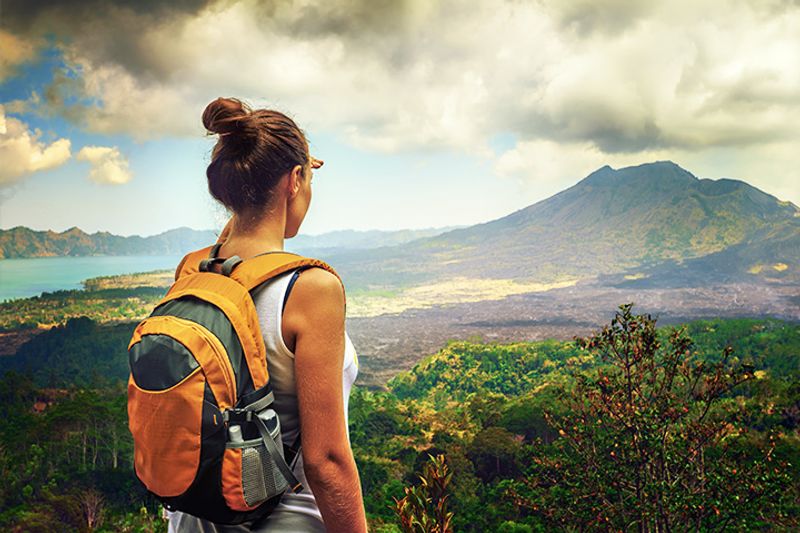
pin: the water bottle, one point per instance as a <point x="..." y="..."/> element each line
<point x="235" y="434"/>
<point x="271" y="420"/>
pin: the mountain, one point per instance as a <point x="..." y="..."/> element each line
<point x="630" y="220"/>
<point x="654" y="223"/>
<point x="25" y="242"/>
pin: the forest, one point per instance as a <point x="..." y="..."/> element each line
<point x="635" y="427"/>
<point x="101" y="304"/>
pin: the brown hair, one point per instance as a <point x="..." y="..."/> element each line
<point x="255" y="148"/>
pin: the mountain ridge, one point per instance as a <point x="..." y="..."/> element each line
<point x="21" y="241"/>
<point x="611" y="221"/>
<point x="649" y="221"/>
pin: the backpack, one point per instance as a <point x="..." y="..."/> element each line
<point x="206" y="439"/>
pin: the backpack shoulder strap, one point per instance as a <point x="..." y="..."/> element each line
<point x="252" y="272"/>
<point x="190" y="263"/>
<point x="256" y="270"/>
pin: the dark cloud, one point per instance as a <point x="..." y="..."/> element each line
<point x="349" y="18"/>
<point x="64" y="96"/>
<point x="622" y="75"/>
<point x="391" y="29"/>
<point x="111" y="32"/>
<point x="63" y="18"/>
<point x="108" y="31"/>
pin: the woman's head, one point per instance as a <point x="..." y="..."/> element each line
<point x="256" y="151"/>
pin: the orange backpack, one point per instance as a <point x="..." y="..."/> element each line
<point x="206" y="439"/>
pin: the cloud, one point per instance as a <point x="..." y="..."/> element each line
<point x="16" y="51"/>
<point x="544" y="168"/>
<point x="629" y="76"/>
<point x="628" y="81"/>
<point x="337" y="67"/>
<point x="22" y="153"/>
<point x="691" y="76"/>
<point x="109" y="166"/>
<point x="586" y="17"/>
<point x="548" y="164"/>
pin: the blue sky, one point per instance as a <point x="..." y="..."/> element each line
<point x="357" y="189"/>
<point x="445" y="116"/>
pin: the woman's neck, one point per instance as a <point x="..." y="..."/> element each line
<point x="255" y="236"/>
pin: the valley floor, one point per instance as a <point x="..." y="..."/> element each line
<point x="390" y="343"/>
<point x="425" y="320"/>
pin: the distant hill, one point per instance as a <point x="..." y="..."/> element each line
<point x="24" y="242"/>
<point x="354" y="239"/>
<point x="648" y="218"/>
<point x="645" y="225"/>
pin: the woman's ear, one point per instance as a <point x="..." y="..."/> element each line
<point x="295" y="180"/>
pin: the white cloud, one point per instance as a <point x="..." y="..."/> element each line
<point x="544" y="168"/>
<point x="22" y="153"/>
<point x="614" y="80"/>
<point x="629" y="76"/>
<point x="550" y="165"/>
<point x="109" y="166"/>
<point x="547" y="167"/>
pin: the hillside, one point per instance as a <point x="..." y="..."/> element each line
<point x="21" y="242"/>
<point x="613" y="221"/>
<point x="654" y="223"/>
<point x="24" y="242"/>
<point x="497" y="411"/>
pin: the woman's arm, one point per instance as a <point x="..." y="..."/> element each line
<point x="314" y="328"/>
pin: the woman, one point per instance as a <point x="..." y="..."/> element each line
<point x="261" y="170"/>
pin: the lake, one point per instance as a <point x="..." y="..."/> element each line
<point x="21" y="278"/>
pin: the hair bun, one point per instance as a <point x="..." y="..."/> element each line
<point x="225" y="115"/>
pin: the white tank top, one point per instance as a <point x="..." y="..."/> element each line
<point x="269" y="300"/>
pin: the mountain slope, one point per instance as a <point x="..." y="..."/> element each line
<point x="655" y="221"/>
<point x="611" y="221"/>
<point x="25" y="242"/>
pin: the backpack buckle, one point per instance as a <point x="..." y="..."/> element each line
<point x="237" y="415"/>
<point x="213" y="258"/>
<point x="227" y="264"/>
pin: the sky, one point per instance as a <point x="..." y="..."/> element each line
<point x="427" y="113"/>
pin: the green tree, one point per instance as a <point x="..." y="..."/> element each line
<point x="651" y="441"/>
<point x="493" y="451"/>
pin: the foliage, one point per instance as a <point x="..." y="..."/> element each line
<point x="493" y="410"/>
<point x="81" y="352"/>
<point x="465" y="368"/>
<point x="56" y="308"/>
<point x="651" y="441"/>
<point x="424" y="508"/>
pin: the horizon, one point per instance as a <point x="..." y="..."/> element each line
<point x="388" y="230"/>
<point x="496" y="107"/>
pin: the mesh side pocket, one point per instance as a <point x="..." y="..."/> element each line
<point x="261" y="478"/>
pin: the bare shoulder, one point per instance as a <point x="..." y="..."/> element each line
<point x="315" y="307"/>
<point x="319" y="283"/>
<point x="317" y="295"/>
